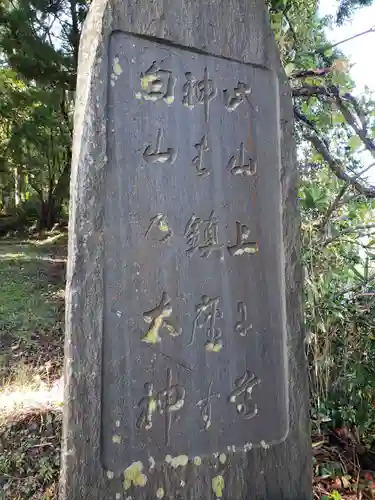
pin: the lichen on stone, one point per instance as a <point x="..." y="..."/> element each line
<point x="117" y="70"/>
<point x="160" y="493"/>
<point x="133" y="475"/>
<point x="179" y="461"/>
<point x="211" y="347"/>
<point x="218" y="486"/>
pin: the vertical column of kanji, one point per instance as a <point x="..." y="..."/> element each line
<point x="188" y="349"/>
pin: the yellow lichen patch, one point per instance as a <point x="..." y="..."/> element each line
<point x="197" y="461"/>
<point x="117" y="70"/>
<point x="218" y="486"/>
<point x="169" y="99"/>
<point x="145" y="80"/>
<point x="251" y="250"/>
<point x="211" y="347"/>
<point x="152" y="336"/>
<point x="141" y="480"/>
<point x="148" y="97"/>
<point x="133" y="475"/>
<point x="222" y="458"/>
<point x="116" y="439"/>
<point x="163" y="227"/>
<point x="160" y="493"/>
<point x="152" y="405"/>
<point x="179" y="461"/>
<point x="168" y="459"/>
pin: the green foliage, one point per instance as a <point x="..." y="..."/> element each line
<point x="338" y="221"/>
<point x="339" y="308"/>
<point x="347" y="8"/>
<point x="47" y="51"/>
<point x="335" y="495"/>
<point x="37" y="86"/>
<point x="35" y="139"/>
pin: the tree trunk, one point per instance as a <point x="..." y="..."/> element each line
<point x="51" y="208"/>
<point x="17" y="187"/>
<point x="49" y="213"/>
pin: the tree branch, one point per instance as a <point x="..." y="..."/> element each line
<point x="332" y="95"/>
<point x="321" y="50"/>
<point x="337" y="168"/>
<point x="360" y="131"/>
<point x="333" y="207"/>
<point x="309" y="91"/>
<point x="350" y="230"/>
<point x="302" y="118"/>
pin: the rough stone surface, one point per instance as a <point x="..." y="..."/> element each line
<point x="121" y="188"/>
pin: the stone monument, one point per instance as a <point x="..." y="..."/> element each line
<point x="185" y="371"/>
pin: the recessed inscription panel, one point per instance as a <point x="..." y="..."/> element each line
<point x="194" y="327"/>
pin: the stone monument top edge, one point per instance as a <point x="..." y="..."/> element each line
<point x="241" y="30"/>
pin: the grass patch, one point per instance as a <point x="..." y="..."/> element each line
<point x="32" y="277"/>
<point x="27" y="294"/>
<point x="26" y="300"/>
<point x="31" y="304"/>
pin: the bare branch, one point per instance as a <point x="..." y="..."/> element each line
<point x="339" y="201"/>
<point x="302" y="118"/>
<point x="333" y="207"/>
<point x="338" y="169"/>
<point x="351" y="120"/>
<point x="309" y="91"/>
<point x="331" y="94"/>
<point x="332" y="46"/>
<point x="350" y="230"/>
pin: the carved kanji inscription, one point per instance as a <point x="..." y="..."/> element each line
<point x="198" y="161"/>
<point x="156" y="155"/>
<point x="203" y="236"/>
<point x="242" y="326"/>
<point x="241" y="396"/>
<point x="157" y="84"/>
<point x="244" y="245"/>
<point x="164" y="402"/>
<point x="157" y="318"/>
<point x="159" y="223"/>
<point x="193" y="256"/>
<point x="237" y="96"/>
<point x="199" y="91"/>
<point x="242" y="164"/>
<point x="205" y="406"/>
<point x="207" y="312"/>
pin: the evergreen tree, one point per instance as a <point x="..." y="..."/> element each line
<point x="347" y="8"/>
